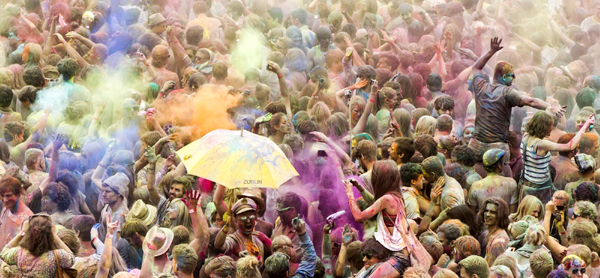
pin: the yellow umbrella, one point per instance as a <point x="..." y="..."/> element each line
<point x="236" y="159"/>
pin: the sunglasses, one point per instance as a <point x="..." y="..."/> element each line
<point x="578" y="270"/>
<point x="246" y="218"/>
<point x="51" y="80"/>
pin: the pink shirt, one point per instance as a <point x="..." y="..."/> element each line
<point x="10" y="224"/>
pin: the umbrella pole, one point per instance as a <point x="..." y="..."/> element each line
<point x="242" y="133"/>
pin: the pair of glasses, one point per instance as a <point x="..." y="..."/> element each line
<point x="369" y="256"/>
<point x="578" y="270"/>
<point x="44" y="215"/>
<point x="51" y="80"/>
<point x="246" y="218"/>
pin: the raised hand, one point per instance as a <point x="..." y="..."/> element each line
<point x="58" y="141"/>
<point x="495" y="44"/>
<point x="158" y="240"/>
<point x="273" y="67"/>
<point x="348" y="236"/>
<point x="320" y="135"/>
<point x="151" y="155"/>
<point x="436" y="192"/>
<point x="192" y="197"/>
<point x="299" y="226"/>
<point x="358" y="85"/>
<point x="111" y="227"/>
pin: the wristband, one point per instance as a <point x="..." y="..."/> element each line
<point x="102" y="164"/>
<point x="109" y="236"/>
<point x="152" y="247"/>
<point x="161" y="95"/>
<point x="563" y="233"/>
<point x="371" y="100"/>
<point x="326" y="232"/>
<point x="192" y="211"/>
<point x="279" y="76"/>
<point x="22" y="234"/>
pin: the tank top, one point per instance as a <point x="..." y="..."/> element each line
<point x="536" y="168"/>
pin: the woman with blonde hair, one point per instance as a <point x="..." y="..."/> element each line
<point x="321" y="113"/>
<point x="426" y="125"/>
<point x="535" y="237"/>
<point x="247" y="267"/>
<point x="177" y="214"/>
<point x="358" y="107"/>
<point x="530" y="205"/>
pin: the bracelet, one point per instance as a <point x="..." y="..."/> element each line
<point x="109" y="236"/>
<point x="192" y="211"/>
<point x="102" y="165"/>
<point x="279" y="76"/>
<point x="161" y="95"/>
<point x="152" y="247"/>
<point x="371" y="100"/>
<point x="22" y="234"/>
<point x="95" y="118"/>
<point x="563" y="233"/>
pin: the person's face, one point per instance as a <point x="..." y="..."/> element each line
<point x="443" y="239"/>
<point x="324" y="43"/>
<point x="418" y="183"/>
<point x="288" y="248"/>
<point x="575" y="271"/>
<point x="13" y="39"/>
<point x="508" y="79"/>
<point x="287" y="215"/>
<point x="490" y="215"/>
<point x="393" y="150"/>
<point x="47" y="204"/>
<point x="172" y="211"/>
<point x="218" y="221"/>
<point x="369" y="260"/>
<point x="284" y="126"/>
<point x="297" y="38"/>
<point x="428" y="178"/>
<point x="356" y="112"/>
<point x="535" y="212"/>
<point x="383" y="63"/>
<point x="9" y="199"/>
<point x="160" y="28"/>
<point x="580" y="122"/>
<point x="245" y="222"/>
<point x="201" y="58"/>
<point x="468" y="134"/>
<point x="176" y="191"/>
<point x="559" y="202"/>
<point x="407" y="17"/>
<point x="135" y="241"/>
<point x="109" y="197"/>
<point x="445" y="111"/>
<point x="391" y="101"/>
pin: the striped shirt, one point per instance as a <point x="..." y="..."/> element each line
<point x="536" y="167"/>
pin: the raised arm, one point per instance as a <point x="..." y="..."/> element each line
<point x="548" y="145"/>
<point x="192" y="201"/>
<point x="106" y="258"/>
<point x="98" y="176"/>
<point x="89" y="43"/>
<point x="308" y="264"/>
<point x="361" y="216"/>
<point x="148" y="262"/>
<point x="361" y="125"/>
<point x="72" y="52"/>
<point x="327" y="252"/>
<point x="283" y="88"/>
<point x="494" y="47"/>
<point x="50" y="40"/>
<point x="561" y="35"/>
<point x="348" y="236"/>
<point x="152" y="158"/>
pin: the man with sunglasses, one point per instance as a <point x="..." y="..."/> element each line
<point x="494" y="102"/>
<point x="245" y="241"/>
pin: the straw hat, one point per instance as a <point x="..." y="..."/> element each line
<point x="155" y="19"/>
<point x="141" y="211"/>
<point x="159" y="249"/>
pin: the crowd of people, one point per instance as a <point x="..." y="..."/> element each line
<point x="462" y="132"/>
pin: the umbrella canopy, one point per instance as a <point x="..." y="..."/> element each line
<point x="237" y="160"/>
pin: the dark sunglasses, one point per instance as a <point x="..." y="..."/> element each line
<point x="577" y="270"/>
